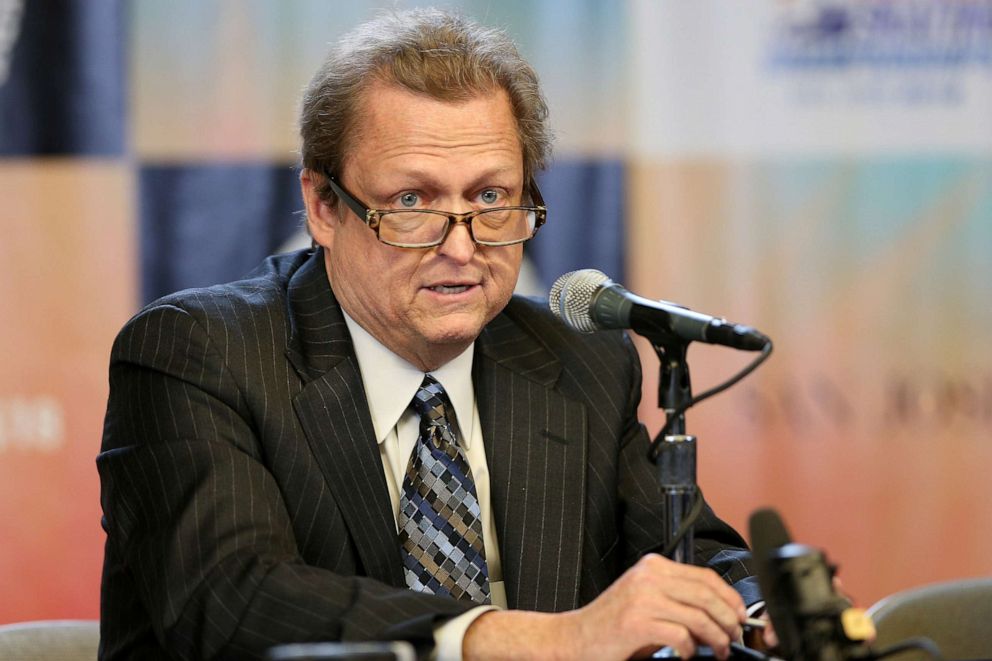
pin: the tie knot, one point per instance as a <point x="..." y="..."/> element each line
<point x="431" y="402"/>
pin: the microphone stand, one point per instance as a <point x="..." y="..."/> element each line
<point x="676" y="456"/>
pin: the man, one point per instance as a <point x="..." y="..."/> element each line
<point x="263" y="467"/>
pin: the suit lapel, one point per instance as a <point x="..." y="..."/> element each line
<point x="535" y="447"/>
<point x="334" y="414"/>
<point x="536" y="451"/>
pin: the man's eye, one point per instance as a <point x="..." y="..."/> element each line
<point x="489" y="196"/>
<point x="409" y="199"/>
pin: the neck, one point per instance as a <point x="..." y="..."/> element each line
<point x="430" y="360"/>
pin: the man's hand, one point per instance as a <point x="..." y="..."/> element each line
<point x="761" y="638"/>
<point x="655" y="603"/>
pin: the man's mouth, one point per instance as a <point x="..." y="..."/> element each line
<point x="449" y="289"/>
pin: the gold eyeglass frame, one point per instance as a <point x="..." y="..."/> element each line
<point x="372" y="217"/>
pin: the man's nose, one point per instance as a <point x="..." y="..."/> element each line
<point x="458" y="245"/>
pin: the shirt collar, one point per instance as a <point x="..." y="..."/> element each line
<point x="391" y="382"/>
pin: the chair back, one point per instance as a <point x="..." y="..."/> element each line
<point x="50" y="640"/>
<point x="956" y="615"/>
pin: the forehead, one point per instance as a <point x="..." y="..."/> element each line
<point x="395" y="125"/>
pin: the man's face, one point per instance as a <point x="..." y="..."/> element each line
<point x="426" y="305"/>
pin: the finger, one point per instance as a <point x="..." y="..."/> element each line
<point x="729" y="595"/>
<point x="699" y="596"/>
<point x="770" y="638"/>
<point x="839" y="589"/>
<point x="700" y="625"/>
<point x="694" y="587"/>
<point x="682" y="594"/>
<point x="675" y="636"/>
<point x="706" y="576"/>
<point x="701" y="599"/>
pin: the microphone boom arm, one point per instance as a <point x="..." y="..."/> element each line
<point x="673" y="451"/>
<point x="676" y="456"/>
<point x="587" y="301"/>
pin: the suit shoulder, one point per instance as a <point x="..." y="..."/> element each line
<point x="234" y="310"/>
<point x="534" y="316"/>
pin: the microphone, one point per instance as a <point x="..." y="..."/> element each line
<point x="588" y="301"/>
<point x="812" y="621"/>
<point x="768" y="534"/>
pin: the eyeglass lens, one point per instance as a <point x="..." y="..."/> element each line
<point x="413" y="227"/>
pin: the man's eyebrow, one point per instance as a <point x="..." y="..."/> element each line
<point x="499" y="174"/>
<point x="414" y="177"/>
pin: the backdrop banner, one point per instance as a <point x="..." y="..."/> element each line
<point x="820" y="169"/>
<point x="823" y="171"/>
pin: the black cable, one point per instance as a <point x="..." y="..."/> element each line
<point x="687" y="522"/>
<point x="739" y="650"/>
<point x="675" y="414"/>
<point x="920" y="643"/>
<point x="653" y="449"/>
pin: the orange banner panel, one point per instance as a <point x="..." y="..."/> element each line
<point x="67" y="245"/>
<point x="869" y="426"/>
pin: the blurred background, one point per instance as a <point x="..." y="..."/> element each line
<point x="819" y="169"/>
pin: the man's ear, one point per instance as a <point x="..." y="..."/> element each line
<point x="322" y="218"/>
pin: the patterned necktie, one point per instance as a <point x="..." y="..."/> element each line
<point x="440" y="523"/>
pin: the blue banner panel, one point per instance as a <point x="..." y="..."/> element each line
<point x="207" y="223"/>
<point x="585" y="200"/>
<point x="62" y="78"/>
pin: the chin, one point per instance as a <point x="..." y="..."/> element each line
<point x="456" y="331"/>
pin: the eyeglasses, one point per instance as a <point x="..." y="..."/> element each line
<point x="425" y="228"/>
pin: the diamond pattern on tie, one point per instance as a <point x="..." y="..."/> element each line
<point x="440" y="521"/>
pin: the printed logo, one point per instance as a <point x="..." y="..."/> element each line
<point x="905" y="52"/>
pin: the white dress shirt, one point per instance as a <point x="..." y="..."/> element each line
<point x="390" y="385"/>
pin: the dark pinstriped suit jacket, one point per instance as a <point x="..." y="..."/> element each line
<point x="243" y="494"/>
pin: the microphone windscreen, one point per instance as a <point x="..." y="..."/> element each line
<point x="768" y="530"/>
<point x="571" y="298"/>
<point x="768" y="533"/>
